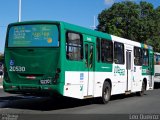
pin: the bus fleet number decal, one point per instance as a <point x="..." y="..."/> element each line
<point x="17" y="69"/>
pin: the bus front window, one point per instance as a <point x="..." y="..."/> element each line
<point x="38" y="35"/>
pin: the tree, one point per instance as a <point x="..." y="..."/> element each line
<point x="138" y="22"/>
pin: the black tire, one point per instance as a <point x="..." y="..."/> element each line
<point x="106" y="93"/>
<point x="143" y="89"/>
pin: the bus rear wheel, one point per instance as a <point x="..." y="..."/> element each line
<point x="141" y="93"/>
<point x="106" y="93"/>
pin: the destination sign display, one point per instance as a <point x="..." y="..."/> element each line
<point x="39" y="35"/>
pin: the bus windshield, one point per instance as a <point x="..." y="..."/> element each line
<point x="38" y="35"/>
<point x="157" y="74"/>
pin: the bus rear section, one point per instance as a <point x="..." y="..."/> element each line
<point x="32" y="58"/>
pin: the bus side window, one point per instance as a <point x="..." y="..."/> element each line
<point x="106" y="51"/>
<point x="137" y="56"/>
<point x="118" y="53"/>
<point x="145" y="57"/>
<point x="91" y="56"/>
<point x="157" y="59"/>
<point x="74" y="46"/>
<point x="86" y="54"/>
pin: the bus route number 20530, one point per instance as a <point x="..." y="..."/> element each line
<point x="17" y="69"/>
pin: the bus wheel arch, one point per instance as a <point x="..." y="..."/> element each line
<point x="143" y="88"/>
<point x="108" y="80"/>
<point x="145" y="82"/>
<point x="106" y="92"/>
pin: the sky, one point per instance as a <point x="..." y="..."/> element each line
<point x="79" y="12"/>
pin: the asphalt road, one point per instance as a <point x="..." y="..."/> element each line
<point x="1" y="81"/>
<point x="119" y="104"/>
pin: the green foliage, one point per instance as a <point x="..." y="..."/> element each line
<point x="138" y="22"/>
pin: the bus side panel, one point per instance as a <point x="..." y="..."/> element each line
<point x="74" y="83"/>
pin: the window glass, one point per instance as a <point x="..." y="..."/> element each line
<point x="145" y="57"/>
<point x="118" y="53"/>
<point x="106" y="51"/>
<point x="86" y="54"/>
<point x="74" y="47"/>
<point x="157" y="59"/>
<point x="137" y="56"/>
<point x="128" y="60"/>
<point x="157" y="74"/>
<point x="91" y="57"/>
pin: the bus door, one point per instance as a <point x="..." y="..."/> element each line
<point x="129" y="68"/>
<point x="89" y="66"/>
<point x="151" y="69"/>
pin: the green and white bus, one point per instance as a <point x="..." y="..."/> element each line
<point x="60" y="58"/>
